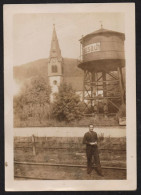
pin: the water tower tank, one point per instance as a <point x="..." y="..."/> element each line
<point x="103" y="50"/>
<point x="102" y="59"/>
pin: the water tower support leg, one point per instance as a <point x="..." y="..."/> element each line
<point x="84" y="86"/>
<point x="92" y="88"/>
<point x="121" y="85"/>
<point x="104" y="83"/>
<point x="97" y="80"/>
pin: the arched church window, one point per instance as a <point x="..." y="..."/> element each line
<point x="54" y="68"/>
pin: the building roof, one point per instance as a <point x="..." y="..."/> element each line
<point x="55" y="49"/>
<point x="103" y="31"/>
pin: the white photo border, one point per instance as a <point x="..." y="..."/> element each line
<point x="72" y="185"/>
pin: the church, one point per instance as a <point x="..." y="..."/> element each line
<point x="62" y="69"/>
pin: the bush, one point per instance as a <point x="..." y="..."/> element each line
<point x="122" y="111"/>
<point x="67" y="105"/>
<point x="101" y="137"/>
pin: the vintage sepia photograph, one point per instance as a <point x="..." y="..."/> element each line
<point x="69" y="102"/>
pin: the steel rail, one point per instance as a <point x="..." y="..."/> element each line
<point x="64" y="165"/>
<point x="25" y="177"/>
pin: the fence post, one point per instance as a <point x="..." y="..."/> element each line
<point x="33" y="144"/>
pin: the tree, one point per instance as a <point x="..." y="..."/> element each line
<point x="36" y="91"/>
<point x="34" y="99"/>
<point x="67" y="105"/>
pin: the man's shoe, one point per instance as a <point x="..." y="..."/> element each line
<point x="101" y="174"/>
<point x="99" y="171"/>
<point x="89" y="171"/>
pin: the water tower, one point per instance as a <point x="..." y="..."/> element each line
<point x="102" y="60"/>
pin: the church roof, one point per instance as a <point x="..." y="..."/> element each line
<point x="55" y="49"/>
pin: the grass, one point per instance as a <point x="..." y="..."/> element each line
<point x="109" y="147"/>
<point x="98" y="121"/>
<point x="68" y="150"/>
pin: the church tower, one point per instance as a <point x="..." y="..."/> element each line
<point x="55" y="65"/>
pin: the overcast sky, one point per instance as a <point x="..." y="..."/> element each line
<point x="32" y="33"/>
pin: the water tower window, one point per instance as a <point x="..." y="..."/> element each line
<point x="55" y="82"/>
<point x="54" y="68"/>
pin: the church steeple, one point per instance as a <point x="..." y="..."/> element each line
<point x="55" y="65"/>
<point x="55" y="51"/>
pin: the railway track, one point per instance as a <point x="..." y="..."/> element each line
<point x="49" y="170"/>
<point x="63" y="166"/>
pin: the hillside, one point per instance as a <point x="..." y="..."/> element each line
<point x="26" y="71"/>
<point x="71" y="73"/>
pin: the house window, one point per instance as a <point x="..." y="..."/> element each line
<point x="54" y="68"/>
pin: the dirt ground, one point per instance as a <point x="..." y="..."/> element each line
<point x="59" y="156"/>
<point x="66" y="173"/>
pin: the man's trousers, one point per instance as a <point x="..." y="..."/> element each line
<point x="93" y="154"/>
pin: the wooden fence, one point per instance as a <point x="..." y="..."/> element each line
<point x="34" y="142"/>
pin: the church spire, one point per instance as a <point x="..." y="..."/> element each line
<point x="55" y="51"/>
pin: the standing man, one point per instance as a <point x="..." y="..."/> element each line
<point x="90" y="139"/>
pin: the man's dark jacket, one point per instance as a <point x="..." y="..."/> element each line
<point x="89" y="137"/>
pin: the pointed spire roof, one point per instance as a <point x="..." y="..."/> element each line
<point x="55" y="49"/>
